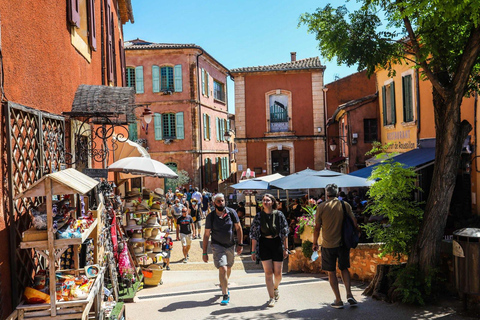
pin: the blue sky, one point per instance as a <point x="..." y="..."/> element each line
<point x="238" y="33"/>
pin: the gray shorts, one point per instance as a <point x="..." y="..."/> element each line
<point x="223" y="256"/>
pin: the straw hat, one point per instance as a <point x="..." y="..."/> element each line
<point x="132" y="225"/>
<point x="158" y="191"/>
<point x="152" y="222"/>
<point x="156" y="235"/>
<point x="147" y="232"/>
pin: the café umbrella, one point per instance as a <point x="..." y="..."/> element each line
<point x="145" y="166"/>
<point x="313" y="179"/>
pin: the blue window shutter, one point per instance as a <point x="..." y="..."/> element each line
<point x="156" y="78"/>
<point x="203" y="82"/>
<point x="392" y="88"/>
<point x="178" y="77"/>
<point x="217" y="127"/>
<point x="132" y="131"/>
<point x="179" y="125"/>
<point x="228" y="124"/>
<point x="139" y="79"/>
<point x="157" y="122"/>
<point x="207" y="89"/>
<point x="205" y="126"/>
<point x="228" y="166"/>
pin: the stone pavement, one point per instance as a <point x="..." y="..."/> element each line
<point x="191" y="291"/>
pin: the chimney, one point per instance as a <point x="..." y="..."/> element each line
<point x="293" y="56"/>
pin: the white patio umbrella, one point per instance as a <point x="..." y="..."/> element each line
<point x="143" y="166"/>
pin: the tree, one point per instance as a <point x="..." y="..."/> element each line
<point x="182" y="179"/>
<point x="442" y="38"/>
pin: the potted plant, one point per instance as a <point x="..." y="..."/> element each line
<point x="306" y="223"/>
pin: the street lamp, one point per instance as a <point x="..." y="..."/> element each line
<point x="333" y="143"/>
<point x="147" y="114"/>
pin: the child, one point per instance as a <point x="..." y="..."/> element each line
<point x="167" y="245"/>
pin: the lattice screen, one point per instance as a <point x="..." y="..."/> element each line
<point x="34" y="143"/>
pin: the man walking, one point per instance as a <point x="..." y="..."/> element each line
<point x="329" y="217"/>
<point x="220" y="223"/>
<point x="186" y="226"/>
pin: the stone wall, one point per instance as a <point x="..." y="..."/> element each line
<point x="363" y="261"/>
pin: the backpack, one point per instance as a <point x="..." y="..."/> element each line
<point x="349" y="233"/>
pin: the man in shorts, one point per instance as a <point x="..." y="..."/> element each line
<point x="329" y="218"/>
<point x="220" y="224"/>
<point x="186" y="226"/>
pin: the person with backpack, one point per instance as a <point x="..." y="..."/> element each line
<point x="329" y="217"/>
<point x="269" y="235"/>
<point x="220" y="224"/>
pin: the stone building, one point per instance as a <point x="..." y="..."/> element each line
<point x="280" y="118"/>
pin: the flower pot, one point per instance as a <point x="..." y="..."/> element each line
<point x="307" y="234"/>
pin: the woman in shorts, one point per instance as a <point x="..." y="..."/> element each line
<point x="269" y="234"/>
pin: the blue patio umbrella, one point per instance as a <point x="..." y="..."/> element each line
<point x="313" y="179"/>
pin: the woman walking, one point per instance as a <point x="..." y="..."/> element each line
<point x="269" y="233"/>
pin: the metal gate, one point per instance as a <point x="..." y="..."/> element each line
<point x="34" y="146"/>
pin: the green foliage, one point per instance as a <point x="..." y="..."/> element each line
<point x="442" y="29"/>
<point x="182" y="179"/>
<point x="392" y="197"/>
<point x="307" y="249"/>
<point x="412" y="287"/>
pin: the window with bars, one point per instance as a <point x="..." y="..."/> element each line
<point x="130" y="77"/>
<point x="370" y="130"/>
<point x="168" y="124"/>
<point x="166" y="79"/>
<point x="218" y="90"/>
<point x="388" y="99"/>
<point x="407" y="95"/>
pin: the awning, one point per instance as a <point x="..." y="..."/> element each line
<point x="68" y="181"/>
<point x="116" y="101"/>
<point x="412" y="158"/>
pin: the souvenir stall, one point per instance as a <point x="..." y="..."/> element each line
<point x="62" y="291"/>
<point x="145" y="233"/>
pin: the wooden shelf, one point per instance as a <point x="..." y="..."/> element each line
<point x="59" y="243"/>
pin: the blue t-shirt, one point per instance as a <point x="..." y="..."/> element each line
<point x="221" y="228"/>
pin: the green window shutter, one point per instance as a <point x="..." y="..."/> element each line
<point x="132" y="131"/>
<point x="384" y="105"/>
<point x="219" y="169"/>
<point x="139" y="79"/>
<point x="228" y="166"/>
<point x="203" y="82"/>
<point x="210" y="170"/>
<point x="157" y="122"/>
<point x="205" y="169"/>
<point x="392" y="91"/>
<point x="178" y="77"/>
<point x="217" y="128"/>
<point x="179" y="125"/>
<point x="156" y="78"/>
<point x="228" y="124"/>
<point x="408" y="98"/>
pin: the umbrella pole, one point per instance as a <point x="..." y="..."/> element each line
<point x="288" y="202"/>
<point x="278" y="193"/>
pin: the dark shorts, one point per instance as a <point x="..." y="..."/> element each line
<point x="330" y="256"/>
<point x="271" y="249"/>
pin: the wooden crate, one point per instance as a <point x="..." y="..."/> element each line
<point x="33" y="234"/>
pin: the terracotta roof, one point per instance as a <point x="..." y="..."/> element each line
<point x="139" y="44"/>
<point x="308" y="63"/>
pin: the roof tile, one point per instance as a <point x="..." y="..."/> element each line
<point x="308" y="63"/>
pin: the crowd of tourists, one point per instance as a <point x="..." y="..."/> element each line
<point x="268" y="236"/>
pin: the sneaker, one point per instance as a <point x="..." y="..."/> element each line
<point x="352" y="302"/>
<point x="271" y="302"/>
<point x="337" y="305"/>
<point x="277" y="296"/>
<point x="185" y="260"/>
<point x="226" y="299"/>
<point x="168" y="268"/>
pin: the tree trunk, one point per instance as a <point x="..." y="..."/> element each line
<point x="450" y="135"/>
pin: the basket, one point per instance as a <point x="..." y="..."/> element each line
<point x="152" y="275"/>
